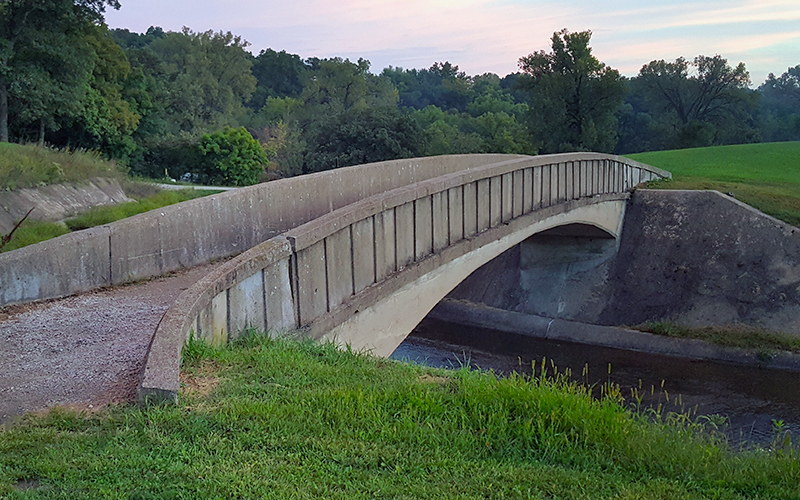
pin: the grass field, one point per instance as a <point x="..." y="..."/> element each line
<point x="288" y="419"/>
<point x="765" y="176"/>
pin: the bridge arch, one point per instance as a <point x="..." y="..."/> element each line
<point x="366" y="274"/>
<point x="381" y="327"/>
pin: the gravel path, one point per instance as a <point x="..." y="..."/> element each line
<point x="83" y="351"/>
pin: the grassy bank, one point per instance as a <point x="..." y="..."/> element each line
<point x="31" y="231"/>
<point x="766" y="176"/>
<point x="740" y="336"/>
<point x="287" y="419"/>
<point x="24" y="166"/>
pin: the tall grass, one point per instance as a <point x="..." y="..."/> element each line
<point x="30" y="166"/>
<point x="31" y="232"/>
<point x="295" y="419"/>
<point x="766" y="175"/>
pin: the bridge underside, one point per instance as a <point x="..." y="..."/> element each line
<point x="382" y="325"/>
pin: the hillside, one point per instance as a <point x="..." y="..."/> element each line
<point x="765" y="176"/>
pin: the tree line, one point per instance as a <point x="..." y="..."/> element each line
<point x="199" y="105"/>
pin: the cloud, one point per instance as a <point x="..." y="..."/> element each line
<point x="485" y="35"/>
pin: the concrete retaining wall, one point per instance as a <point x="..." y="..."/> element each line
<point x="703" y="258"/>
<point x="482" y="316"/>
<point x="697" y="258"/>
<point x="321" y="273"/>
<point x="561" y="273"/>
<point x="57" y="202"/>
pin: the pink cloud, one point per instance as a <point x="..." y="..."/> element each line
<point x="481" y="35"/>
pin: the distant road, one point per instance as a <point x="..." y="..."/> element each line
<point x="176" y="187"/>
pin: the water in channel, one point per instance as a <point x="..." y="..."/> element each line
<point x="757" y="403"/>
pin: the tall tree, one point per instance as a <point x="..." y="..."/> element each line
<point x="108" y="115"/>
<point x="442" y="85"/>
<point x="189" y="84"/>
<point x="41" y="58"/>
<point x="573" y="96"/>
<point x="204" y="79"/>
<point x="362" y="135"/>
<point x="706" y="99"/>
<point x="780" y="106"/>
<point x="336" y="85"/>
<point x="279" y="74"/>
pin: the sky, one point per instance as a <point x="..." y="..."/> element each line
<point x="482" y="36"/>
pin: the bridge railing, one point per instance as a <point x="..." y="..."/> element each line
<point x="315" y="276"/>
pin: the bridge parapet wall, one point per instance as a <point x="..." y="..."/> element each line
<point x="204" y="229"/>
<point x="315" y="276"/>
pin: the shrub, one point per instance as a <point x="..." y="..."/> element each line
<point x="231" y="156"/>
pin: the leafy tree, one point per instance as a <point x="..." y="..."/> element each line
<point x="205" y="79"/>
<point x="362" y="135"/>
<point x="780" y="106"/>
<point x="704" y="102"/>
<point x="190" y="84"/>
<point x="442" y="85"/>
<point x="573" y="96"/>
<point x="336" y="85"/>
<point x="489" y="96"/>
<point x="279" y="75"/>
<point x="285" y="147"/>
<point x="350" y="116"/>
<point x="130" y="40"/>
<point x="43" y="62"/>
<point x="231" y="156"/>
<point x="502" y="133"/>
<point x="108" y="116"/>
<point x="444" y="134"/>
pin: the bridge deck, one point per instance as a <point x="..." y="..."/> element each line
<point x="82" y="350"/>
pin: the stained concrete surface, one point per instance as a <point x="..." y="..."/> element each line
<point x="560" y="273"/>
<point x="703" y="258"/>
<point x="698" y="258"/>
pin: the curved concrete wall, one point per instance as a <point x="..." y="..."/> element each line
<point x="709" y="260"/>
<point x="318" y="275"/>
<point x="204" y="229"/>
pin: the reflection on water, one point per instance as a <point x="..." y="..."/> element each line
<point x="750" y="398"/>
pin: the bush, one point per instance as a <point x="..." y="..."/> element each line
<point x="231" y="156"/>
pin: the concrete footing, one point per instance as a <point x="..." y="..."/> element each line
<point x="478" y="315"/>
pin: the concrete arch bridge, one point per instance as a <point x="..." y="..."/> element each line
<point x="367" y="272"/>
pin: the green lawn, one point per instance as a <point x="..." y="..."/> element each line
<point x="766" y="176"/>
<point x="288" y="419"/>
